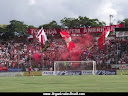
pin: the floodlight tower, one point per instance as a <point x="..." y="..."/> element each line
<point x="110" y="17"/>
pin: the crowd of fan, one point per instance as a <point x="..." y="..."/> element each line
<point x="115" y="52"/>
<point x="14" y="54"/>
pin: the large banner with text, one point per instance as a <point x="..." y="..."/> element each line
<point x="34" y="31"/>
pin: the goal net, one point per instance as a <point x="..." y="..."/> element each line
<point x="74" y="66"/>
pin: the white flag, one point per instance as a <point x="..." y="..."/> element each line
<point x="41" y="36"/>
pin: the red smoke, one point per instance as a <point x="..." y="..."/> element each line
<point x="81" y="43"/>
<point x="37" y="56"/>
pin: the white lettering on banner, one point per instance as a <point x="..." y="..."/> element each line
<point x="112" y="28"/>
<point x="32" y="31"/>
<point x="105" y="72"/>
<point x="51" y="31"/>
<point x="99" y="29"/>
<point x="63" y="93"/>
<point x="48" y="72"/>
<point x="68" y="72"/>
<point x="108" y="72"/>
<point x="90" y="30"/>
<point x="85" y="30"/>
<point x="72" y="73"/>
<point x="87" y="72"/>
<point x="108" y="28"/>
<point x="94" y="29"/>
<point x="74" y="31"/>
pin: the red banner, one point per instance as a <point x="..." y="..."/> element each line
<point x="76" y="30"/>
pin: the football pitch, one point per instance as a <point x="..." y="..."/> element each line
<point x="75" y="83"/>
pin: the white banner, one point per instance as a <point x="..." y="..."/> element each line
<point x="122" y="34"/>
<point x="10" y="74"/>
<point x="119" y="66"/>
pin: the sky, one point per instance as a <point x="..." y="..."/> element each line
<point x="39" y="12"/>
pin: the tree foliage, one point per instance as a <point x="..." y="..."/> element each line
<point x="17" y="26"/>
<point x="51" y="25"/>
<point x="31" y="26"/>
<point x="125" y="21"/>
<point x="81" y="22"/>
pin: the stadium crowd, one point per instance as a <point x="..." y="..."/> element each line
<point x="14" y="54"/>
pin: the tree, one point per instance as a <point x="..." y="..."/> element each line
<point x="31" y="26"/>
<point x="125" y="21"/>
<point x="69" y="22"/>
<point x="51" y="25"/>
<point x="3" y="28"/>
<point x="81" y="22"/>
<point x="17" y="26"/>
<point x="3" y="31"/>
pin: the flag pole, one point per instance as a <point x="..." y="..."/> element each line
<point x="69" y="54"/>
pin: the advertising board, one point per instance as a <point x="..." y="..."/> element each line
<point x="122" y="34"/>
<point x="14" y="70"/>
<point x="87" y="72"/>
<point x="68" y="72"/>
<point x="121" y="72"/>
<point x="10" y="74"/>
<point x="106" y="72"/>
<point x="48" y="73"/>
<point x="119" y="66"/>
<point x="33" y="74"/>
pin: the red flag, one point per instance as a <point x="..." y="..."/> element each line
<point x="101" y="40"/>
<point x="3" y="68"/>
<point x="65" y="35"/>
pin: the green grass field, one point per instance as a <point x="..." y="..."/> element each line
<point x="77" y="83"/>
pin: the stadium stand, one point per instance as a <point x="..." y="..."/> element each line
<point x="12" y="53"/>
